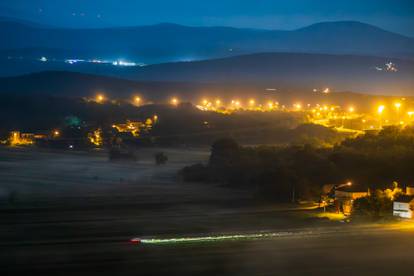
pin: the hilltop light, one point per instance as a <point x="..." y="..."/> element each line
<point x="326" y="91"/>
<point x="298" y="106"/>
<point x="174" y="101"/>
<point x="381" y="109"/>
<point x="252" y="102"/>
<point x="137" y="100"/>
<point x="100" y="98"/>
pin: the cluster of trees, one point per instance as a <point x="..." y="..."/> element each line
<point x="378" y="204"/>
<point x="373" y="160"/>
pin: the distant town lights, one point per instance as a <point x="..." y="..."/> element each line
<point x="123" y="63"/>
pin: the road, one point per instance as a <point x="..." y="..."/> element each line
<point x="350" y="251"/>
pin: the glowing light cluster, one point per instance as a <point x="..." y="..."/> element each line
<point x="96" y="137"/>
<point x="20" y="139"/>
<point x="123" y="63"/>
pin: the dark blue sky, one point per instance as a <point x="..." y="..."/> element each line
<point x="394" y="15"/>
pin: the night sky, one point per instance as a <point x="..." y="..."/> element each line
<point x="393" y="15"/>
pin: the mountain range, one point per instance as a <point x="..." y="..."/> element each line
<point x="171" y="42"/>
<point x="345" y="56"/>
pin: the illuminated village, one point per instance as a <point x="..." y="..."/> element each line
<point x="347" y="119"/>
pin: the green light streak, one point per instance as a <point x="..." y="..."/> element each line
<point x="238" y="237"/>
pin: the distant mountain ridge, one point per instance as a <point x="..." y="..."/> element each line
<point x="168" y="42"/>
<point x="363" y="74"/>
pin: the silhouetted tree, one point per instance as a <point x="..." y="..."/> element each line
<point x="160" y="158"/>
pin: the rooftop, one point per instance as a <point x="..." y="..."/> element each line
<point x="404" y="198"/>
<point x="353" y="189"/>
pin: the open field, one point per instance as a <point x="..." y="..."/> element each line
<point x="73" y="213"/>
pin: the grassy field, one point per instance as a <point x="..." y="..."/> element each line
<point x="73" y="213"/>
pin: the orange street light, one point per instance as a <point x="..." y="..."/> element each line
<point x="174" y="101"/>
<point x="100" y="98"/>
<point x="397" y="105"/>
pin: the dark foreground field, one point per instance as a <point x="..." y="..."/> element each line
<point x="74" y="213"/>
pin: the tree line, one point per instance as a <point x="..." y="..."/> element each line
<point x="372" y="160"/>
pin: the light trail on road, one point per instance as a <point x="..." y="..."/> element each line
<point x="218" y="238"/>
<point x="354" y="230"/>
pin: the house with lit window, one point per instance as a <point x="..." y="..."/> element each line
<point x="345" y="197"/>
<point x="403" y="206"/>
<point x="409" y="191"/>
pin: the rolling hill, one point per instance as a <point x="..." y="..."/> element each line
<point x="283" y="71"/>
<point x="73" y="85"/>
<point x="286" y="70"/>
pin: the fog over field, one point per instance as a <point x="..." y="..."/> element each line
<point x="66" y="212"/>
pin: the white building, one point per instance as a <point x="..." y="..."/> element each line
<point x="404" y="207"/>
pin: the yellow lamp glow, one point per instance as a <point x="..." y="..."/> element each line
<point x="174" y="101"/>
